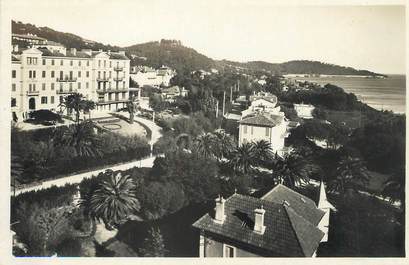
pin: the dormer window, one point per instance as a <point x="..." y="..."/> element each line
<point x="229" y="251"/>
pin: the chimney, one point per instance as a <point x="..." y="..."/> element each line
<point x="15" y="48"/>
<point x="219" y="216"/>
<point x="259" y="226"/>
<point x="73" y="51"/>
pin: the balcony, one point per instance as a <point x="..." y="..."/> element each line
<point x="33" y="93"/>
<point x="112" y="90"/>
<point x="67" y="79"/>
<point x="112" y="101"/>
<point x="66" y="91"/>
<point x="118" y="68"/>
<point x="102" y="79"/>
<point x="118" y="79"/>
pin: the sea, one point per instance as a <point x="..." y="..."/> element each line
<point x="380" y="93"/>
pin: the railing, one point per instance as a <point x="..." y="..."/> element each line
<point x="65" y="91"/>
<point x="33" y="93"/>
<point x="67" y="79"/>
<point x="101" y="91"/>
<point x="113" y="101"/>
<point x="102" y="79"/>
<point x="118" y="78"/>
<point x="118" y="68"/>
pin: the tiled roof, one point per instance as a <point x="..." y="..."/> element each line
<point x="14" y="58"/>
<point x="262" y="120"/>
<point x="28" y="36"/>
<point x="286" y="234"/>
<point x="47" y="52"/>
<point x="301" y="204"/>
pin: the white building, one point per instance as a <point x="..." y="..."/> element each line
<point x="263" y="120"/>
<point x="304" y="111"/>
<point x="147" y="76"/>
<point x="41" y="78"/>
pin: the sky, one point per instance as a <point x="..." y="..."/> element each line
<point x="363" y="37"/>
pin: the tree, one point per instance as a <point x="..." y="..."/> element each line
<point x="43" y="115"/>
<point x="292" y="169"/>
<point x="394" y="186"/>
<point x="204" y="145"/>
<point x="224" y="144"/>
<point x="243" y="158"/>
<point x="351" y="175"/>
<point x="263" y="152"/>
<point x="16" y="172"/>
<point x="114" y="200"/>
<point x="76" y="102"/>
<point x="80" y="138"/>
<point x="154" y="245"/>
<point x="131" y="107"/>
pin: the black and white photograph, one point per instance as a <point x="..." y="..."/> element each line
<point x="196" y="129"/>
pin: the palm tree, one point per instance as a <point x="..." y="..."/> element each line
<point x="204" y="145"/>
<point x="88" y="106"/>
<point x="80" y="138"/>
<point x="263" y="152"/>
<point x="114" y="200"/>
<point x="223" y="145"/>
<point x="291" y="170"/>
<point x="243" y="159"/>
<point x="351" y="174"/>
<point x="76" y="102"/>
<point x="131" y="107"/>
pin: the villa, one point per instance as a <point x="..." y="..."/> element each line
<point x="282" y="223"/>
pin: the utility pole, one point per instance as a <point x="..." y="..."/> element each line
<point x="231" y="94"/>
<point x="217" y="108"/>
<point x="224" y="101"/>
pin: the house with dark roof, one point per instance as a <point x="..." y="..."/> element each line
<point x="282" y="223"/>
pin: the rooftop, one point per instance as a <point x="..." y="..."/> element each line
<point x="262" y="119"/>
<point x="288" y="229"/>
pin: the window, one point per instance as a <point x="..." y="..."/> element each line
<point x="87" y="63"/>
<point x="43" y="61"/>
<point x="123" y="84"/>
<point x="251" y="127"/>
<point x="61" y="75"/>
<point x="52" y="100"/>
<point x="52" y="62"/>
<point x="99" y="63"/>
<point x="105" y="63"/>
<point x="71" y="63"/>
<point x="43" y="86"/>
<point x="123" y="95"/>
<point x="110" y="63"/>
<point x="29" y="87"/>
<point x="79" y="63"/>
<point x="245" y="128"/>
<point x="61" y="86"/>
<point x="34" y="87"/>
<point x="79" y="85"/>
<point x="61" y="62"/>
<point x="30" y="74"/>
<point x="52" y="86"/>
<point x="34" y="74"/>
<point x="86" y="85"/>
<point x="13" y="102"/>
<point x="43" y="74"/>
<point x="229" y="251"/>
<point x="71" y="75"/>
<point x="99" y="74"/>
<point x="52" y="74"/>
<point x="43" y="100"/>
<point x="13" y="74"/>
<point x="61" y="99"/>
<point x="87" y="74"/>
<point x="267" y="131"/>
<point x="28" y="60"/>
<point x="110" y="74"/>
<point x="13" y="87"/>
<point x="35" y="61"/>
<point x="70" y="86"/>
<point x="79" y="73"/>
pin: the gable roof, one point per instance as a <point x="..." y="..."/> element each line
<point x="262" y="120"/>
<point x="286" y="233"/>
<point x="301" y="204"/>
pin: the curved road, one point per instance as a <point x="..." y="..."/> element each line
<point x="77" y="178"/>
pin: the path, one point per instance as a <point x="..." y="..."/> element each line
<point x="77" y="178"/>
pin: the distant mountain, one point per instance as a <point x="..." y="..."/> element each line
<point x="172" y="53"/>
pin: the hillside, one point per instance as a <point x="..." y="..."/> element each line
<point x="172" y="53"/>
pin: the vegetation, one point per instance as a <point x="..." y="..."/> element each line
<point x="153" y="245"/>
<point x="45" y="117"/>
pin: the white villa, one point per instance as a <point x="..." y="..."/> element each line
<point x="263" y="120"/>
<point x="147" y="76"/>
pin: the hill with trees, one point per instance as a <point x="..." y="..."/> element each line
<point x="172" y="53"/>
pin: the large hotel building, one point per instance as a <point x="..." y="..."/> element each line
<point x="42" y="75"/>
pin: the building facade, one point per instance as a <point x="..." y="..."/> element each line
<point x="147" y="76"/>
<point x="41" y="77"/>
<point x="304" y="111"/>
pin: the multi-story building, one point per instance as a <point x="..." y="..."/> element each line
<point x="282" y="223"/>
<point x="304" y="110"/>
<point x="42" y="77"/>
<point x="263" y="120"/>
